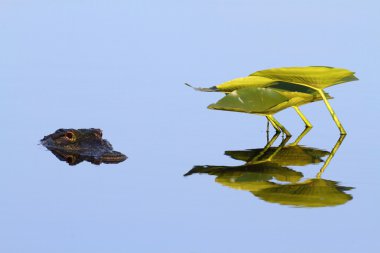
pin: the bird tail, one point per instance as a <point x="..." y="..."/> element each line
<point x="318" y="97"/>
<point x="211" y="89"/>
<point x="328" y="96"/>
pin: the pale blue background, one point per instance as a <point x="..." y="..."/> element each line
<point x="120" y="66"/>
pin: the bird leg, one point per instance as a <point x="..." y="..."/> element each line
<point x="278" y="149"/>
<point x="278" y="124"/>
<point x="332" y="153"/>
<point x="265" y="149"/>
<point x="305" y="120"/>
<point x="277" y="128"/>
<point x="299" y="138"/>
<point x="335" y="118"/>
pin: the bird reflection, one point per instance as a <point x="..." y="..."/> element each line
<point x="266" y="174"/>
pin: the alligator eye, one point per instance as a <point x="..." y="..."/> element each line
<point x="70" y="136"/>
<point x="70" y="159"/>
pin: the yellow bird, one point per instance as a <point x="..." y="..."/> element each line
<point x="263" y="101"/>
<point x="296" y="83"/>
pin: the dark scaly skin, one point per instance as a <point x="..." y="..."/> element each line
<point x="77" y="145"/>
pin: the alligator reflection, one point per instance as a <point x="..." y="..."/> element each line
<point x="266" y="175"/>
<point x="77" y="145"/>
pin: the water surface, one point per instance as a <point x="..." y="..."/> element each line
<point x="121" y="67"/>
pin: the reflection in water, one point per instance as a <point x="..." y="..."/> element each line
<point x="315" y="192"/>
<point x="78" y="145"/>
<point x="266" y="175"/>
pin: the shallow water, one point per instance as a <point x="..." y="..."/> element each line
<point x="121" y="68"/>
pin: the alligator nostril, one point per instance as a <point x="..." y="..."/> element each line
<point x="70" y="159"/>
<point x="99" y="133"/>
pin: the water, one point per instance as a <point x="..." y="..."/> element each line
<point x="121" y="67"/>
